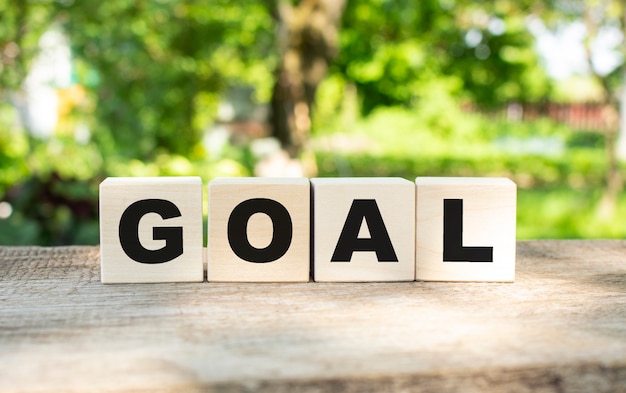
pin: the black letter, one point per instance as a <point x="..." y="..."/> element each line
<point x="129" y="235"/>
<point x="349" y="242"/>
<point x="453" y="250"/>
<point x="238" y="234"/>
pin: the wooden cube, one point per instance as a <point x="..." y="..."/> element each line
<point x="151" y="230"/>
<point x="364" y="229"/>
<point x="259" y="229"/>
<point x="465" y="229"/>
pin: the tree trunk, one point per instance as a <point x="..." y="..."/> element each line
<point x="593" y="17"/>
<point x="621" y="138"/>
<point x="614" y="181"/>
<point x="616" y="143"/>
<point x="307" y="36"/>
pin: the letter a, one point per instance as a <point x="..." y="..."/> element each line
<point x="378" y="242"/>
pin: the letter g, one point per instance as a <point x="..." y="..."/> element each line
<point x="129" y="232"/>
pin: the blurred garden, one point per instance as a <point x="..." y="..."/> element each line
<point x="90" y="89"/>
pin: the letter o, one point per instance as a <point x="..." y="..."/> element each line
<point x="238" y="235"/>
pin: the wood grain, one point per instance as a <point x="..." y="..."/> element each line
<point x="488" y="217"/>
<point x="333" y="199"/>
<point x="117" y="194"/>
<point x="561" y="327"/>
<point x="293" y="195"/>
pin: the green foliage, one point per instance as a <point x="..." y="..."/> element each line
<point x="161" y="64"/>
<point x="393" y="50"/>
<point x="153" y="73"/>
<point x="23" y="23"/>
<point x="14" y="147"/>
<point x="56" y="200"/>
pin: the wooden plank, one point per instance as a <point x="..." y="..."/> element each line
<point x="151" y="229"/>
<point x="561" y="327"/>
<point x="480" y="233"/>
<point x="282" y="246"/>
<point x="363" y="230"/>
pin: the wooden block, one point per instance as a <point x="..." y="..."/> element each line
<point x="258" y="229"/>
<point x="465" y="229"/>
<point x="151" y="230"/>
<point x="364" y="229"/>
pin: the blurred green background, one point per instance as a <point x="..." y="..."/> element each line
<point x="530" y="90"/>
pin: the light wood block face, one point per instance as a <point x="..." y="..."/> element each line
<point x="259" y="230"/>
<point x="364" y="229"/>
<point x="465" y="229"/>
<point x="151" y="230"/>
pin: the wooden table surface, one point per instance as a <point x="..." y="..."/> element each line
<point x="561" y="327"/>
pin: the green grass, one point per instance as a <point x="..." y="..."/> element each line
<point x="559" y="187"/>
<point x="553" y="201"/>
<point x="565" y="213"/>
